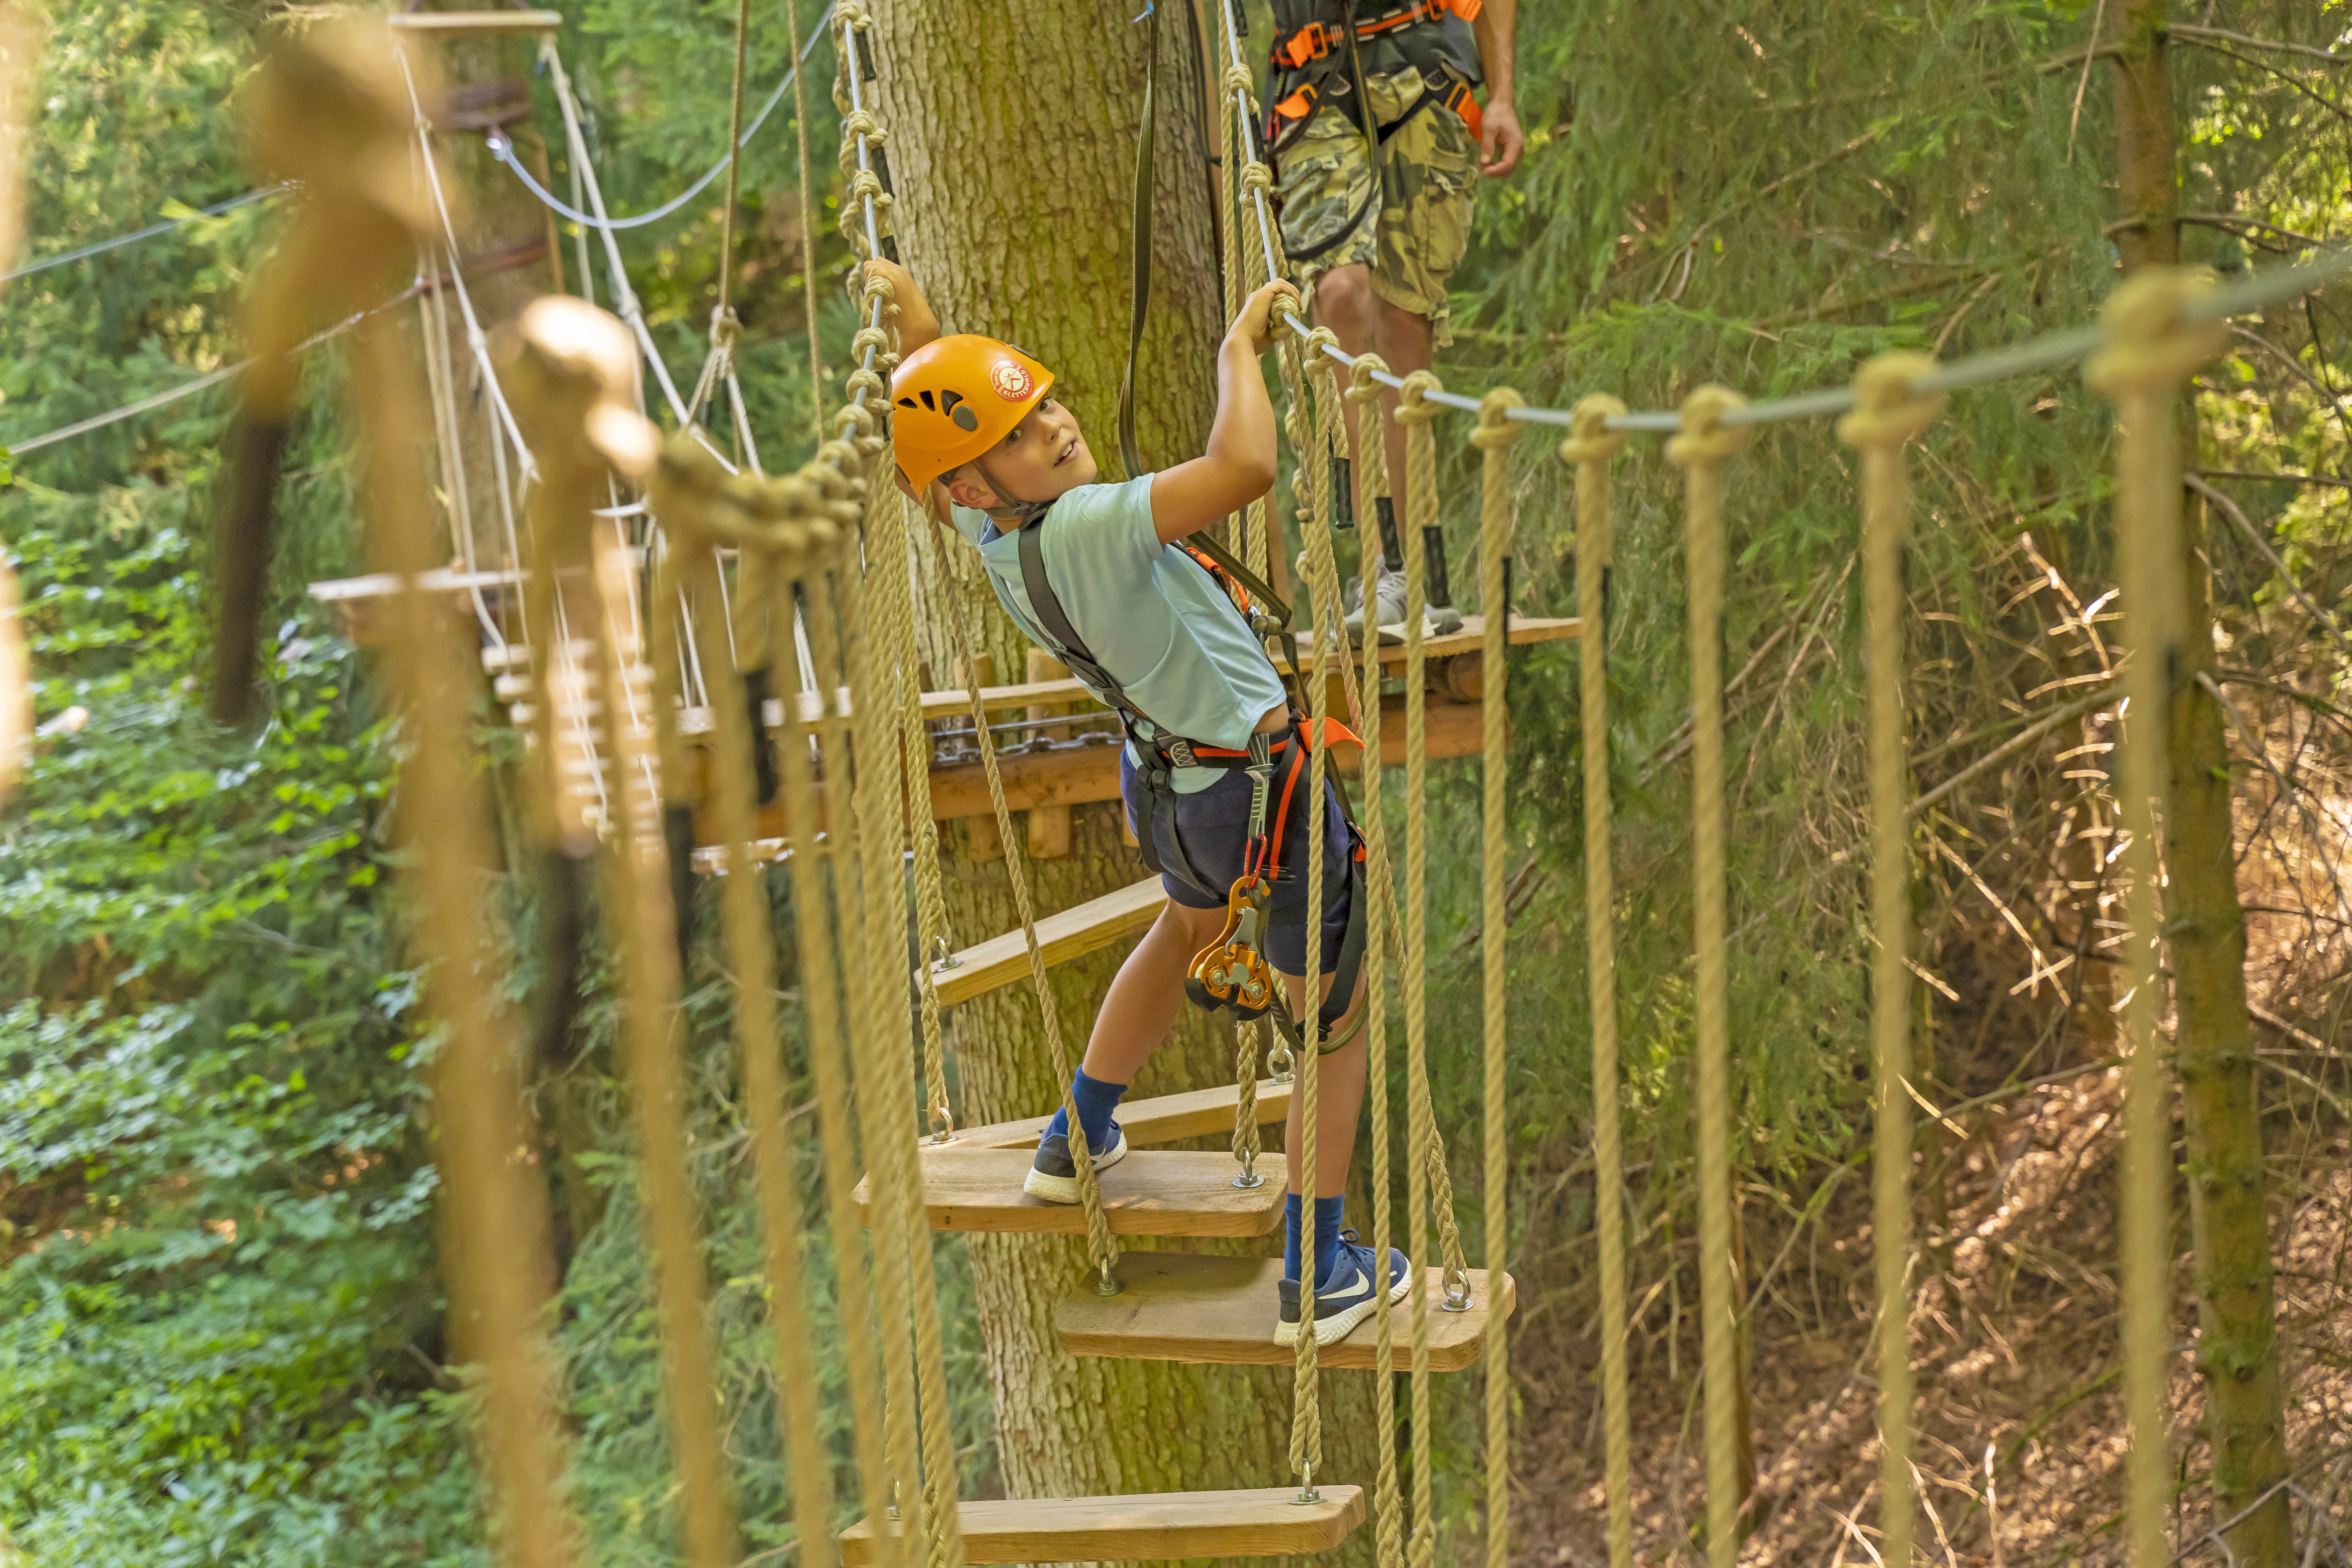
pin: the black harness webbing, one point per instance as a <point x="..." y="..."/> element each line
<point x="1162" y="753"/>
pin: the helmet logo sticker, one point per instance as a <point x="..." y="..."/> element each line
<point x="1012" y="381"/>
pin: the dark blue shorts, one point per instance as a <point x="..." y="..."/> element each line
<point x="1213" y="824"/>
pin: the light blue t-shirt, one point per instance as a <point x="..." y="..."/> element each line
<point x="1148" y="613"/>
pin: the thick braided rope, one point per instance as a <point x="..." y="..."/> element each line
<point x="1702" y="448"/>
<point x="2148" y="358"/>
<point x="1249" y="1046"/>
<point x="1102" y="1250"/>
<point x="892" y="589"/>
<point x="1590" y="446"/>
<point x="1315" y="519"/>
<point x="496" y="1217"/>
<point x="645" y="937"/>
<point x="874" y="1006"/>
<point x="821" y="1001"/>
<point x="752" y="954"/>
<point x="1493" y="438"/>
<point x="1229" y="271"/>
<point x="1888" y="415"/>
<point x="931" y="896"/>
<point x="1371" y="481"/>
<point x="1414" y="411"/>
<point x="1251" y="275"/>
<point x="808" y="230"/>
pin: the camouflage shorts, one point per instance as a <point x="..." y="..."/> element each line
<point x="1414" y="236"/>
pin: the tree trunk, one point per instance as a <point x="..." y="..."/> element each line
<point x="1013" y="160"/>
<point x="2229" y="1221"/>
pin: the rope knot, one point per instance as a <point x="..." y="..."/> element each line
<point x="1705" y="437"/>
<point x="861" y="122"/>
<point x="1413" y="406"/>
<point x="873" y="338"/>
<point x="1256" y="177"/>
<point x="1236" y="80"/>
<point x="1887" y="411"/>
<point x="1590" y="440"/>
<point x="1497" y="429"/>
<point x="2149" y="347"/>
<point x="1314" y="343"/>
<point x="726" y="329"/>
<point x="852" y="13"/>
<point x="1360" y="384"/>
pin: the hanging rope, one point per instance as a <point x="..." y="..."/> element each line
<point x="1886" y="415"/>
<point x="725" y="311"/>
<point x="752" y="959"/>
<point x="820" y="982"/>
<point x="2150" y="354"/>
<point x="1414" y="411"/>
<point x="1592" y="445"/>
<point x="931" y="896"/>
<point x="808" y="228"/>
<point x="1704" y="446"/>
<point x="1493" y="438"/>
<point x="1370" y="483"/>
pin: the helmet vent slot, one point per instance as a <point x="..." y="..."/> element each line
<point x="927" y="401"/>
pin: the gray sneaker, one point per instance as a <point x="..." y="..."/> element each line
<point x="1442" y="620"/>
<point x="1388" y="608"/>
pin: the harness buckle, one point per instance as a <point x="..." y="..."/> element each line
<point x="1179" y="752"/>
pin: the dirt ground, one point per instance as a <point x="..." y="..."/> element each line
<point x="2019" y="1430"/>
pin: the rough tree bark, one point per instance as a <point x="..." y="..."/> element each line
<point x="1012" y="133"/>
<point x="2237" y="1350"/>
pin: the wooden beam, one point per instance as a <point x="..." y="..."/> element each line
<point x="1265" y="1522"/>
<point x="1081" y="929"/>
<point x="1153" y="1192"/>
<point x="1181" y="1306"/>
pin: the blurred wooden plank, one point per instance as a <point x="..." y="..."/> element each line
<point x="1269" y="1522"/>
<point x="1151" y="1193"/>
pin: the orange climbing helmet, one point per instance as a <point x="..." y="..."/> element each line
<point x="954" y="398"/>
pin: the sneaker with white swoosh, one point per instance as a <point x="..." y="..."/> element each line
<point x="1346" y="1297"/>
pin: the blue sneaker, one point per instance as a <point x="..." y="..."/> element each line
<point x="1054" y="1174"/>
<point x="1344" y="1297"/>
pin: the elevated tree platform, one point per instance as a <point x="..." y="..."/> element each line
<point x="1267" y="1522"/>
<point x="1199" y="1113"/>
<point x="1178" y="1306"/>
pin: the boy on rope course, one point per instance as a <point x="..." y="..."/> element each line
<point x="1375" y="141"/>
<point x="1099" y="576"/>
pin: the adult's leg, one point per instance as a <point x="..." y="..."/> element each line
<point x="1140" y="1008"/>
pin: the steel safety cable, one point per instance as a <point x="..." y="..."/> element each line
<point x="820" y="986"/>
<point x="1370" y="486"/>
<point x="752" y="959"/>
<point x="1888" y="415"/>
<point x="1493" y="438"/>
<point x="1702" y="448"/>
<point x="1416" y="413"/>
<point x="1592" y="446"/>
<point x="2154" y="341"/>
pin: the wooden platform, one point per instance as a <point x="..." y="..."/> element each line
<point x="1163" y="1118"/>
<point x="1153" y="1192"/>
<point x="1270" y="1522"/>
<point x="1523" y="629"/>
<point x="1179" y="1306"/>
<point x="1081" y="929"/>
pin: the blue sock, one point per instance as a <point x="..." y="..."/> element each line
<point x="1095" y="1101"/>
<point x="1330" y="1214"/>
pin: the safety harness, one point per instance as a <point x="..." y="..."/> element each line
<point x="1230" y="975"/>
<point x="1317" y="60"/>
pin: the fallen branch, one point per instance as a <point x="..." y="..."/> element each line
<point x="2009" y="747"/>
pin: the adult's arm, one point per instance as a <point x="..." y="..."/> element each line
<point x="1501" y="142"/>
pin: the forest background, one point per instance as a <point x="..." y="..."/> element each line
<point x="220" y="1321"/>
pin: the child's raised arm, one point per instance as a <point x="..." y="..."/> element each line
<point x="917" y="325"/>
<point x="1239" y="466"/>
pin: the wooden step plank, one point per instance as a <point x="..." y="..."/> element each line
<point x="1081" y="929"/>
<point x="1265" y="1522"/>
<point x="1155" y="1193"/>
<point x="1163" y="1118"/>
<point x="1179" y="1306"/>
